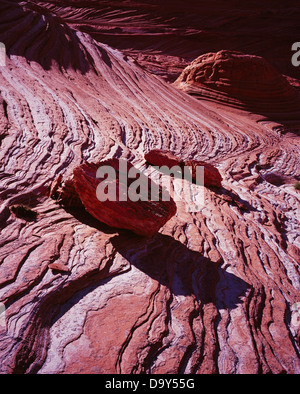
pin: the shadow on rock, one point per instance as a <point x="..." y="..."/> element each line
<point x="51" y="39"/>
<point x="183" y="271"/>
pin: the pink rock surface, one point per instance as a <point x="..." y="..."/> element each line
<point x="215" y="291"/>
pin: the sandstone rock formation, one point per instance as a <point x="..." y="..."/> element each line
<point x="159" y="158"/>
<point x="239" y="80"/>
<point x="164" y="38"/>
<point x="212" y="176"/>
<point x="116" y="206"/>
<point x="214" y="291"/>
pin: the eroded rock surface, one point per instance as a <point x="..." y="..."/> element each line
<point x="240" y="80"/>
<point x="214" y="291"/>
<point x="165" y="38"/>
<point x="140" y="211"/>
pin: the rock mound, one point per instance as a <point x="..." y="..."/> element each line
<point x="239" y="80"/>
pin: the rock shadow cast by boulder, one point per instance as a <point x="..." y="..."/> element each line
<point x="185" y="272"/>
<point x="182" y="270"/>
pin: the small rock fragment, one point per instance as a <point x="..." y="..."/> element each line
<point x="157" y="157"/>
<point x="59" y="267"/>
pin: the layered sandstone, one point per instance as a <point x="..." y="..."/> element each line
<point x="239" y="80"/>
<point x="165" y="37"/>
<point x="214" y="291"/>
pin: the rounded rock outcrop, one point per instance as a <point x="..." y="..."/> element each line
<point x="239" y="80"/>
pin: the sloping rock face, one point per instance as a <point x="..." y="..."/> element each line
<point x="117" y="207"/>
<point x="239" y="80"/>
<point x="214" y="291"/>
<point x="164" y="38"/>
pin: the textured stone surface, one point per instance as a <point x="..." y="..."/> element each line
<point x="240" y="80"/>
<point x="159" y="158"/>
<point x="214" y="291"/>
<point x="165" y="38"/>
<point x="144" y="217"/>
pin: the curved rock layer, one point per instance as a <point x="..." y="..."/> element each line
<point x="215" y="291"/>
<point x="239" y="80"/>
<point x="165" y="37"/>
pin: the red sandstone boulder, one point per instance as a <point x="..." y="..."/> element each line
<point x="212" y="176"/>
<point x="112" y="202"/>
<point x="59" y="267"/>
<point x="158" y="157"/>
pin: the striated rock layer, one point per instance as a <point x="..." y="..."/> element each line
<point x="164" y="37"/>
<point x="214" y="291"/>
<point x="239" y="80"/>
